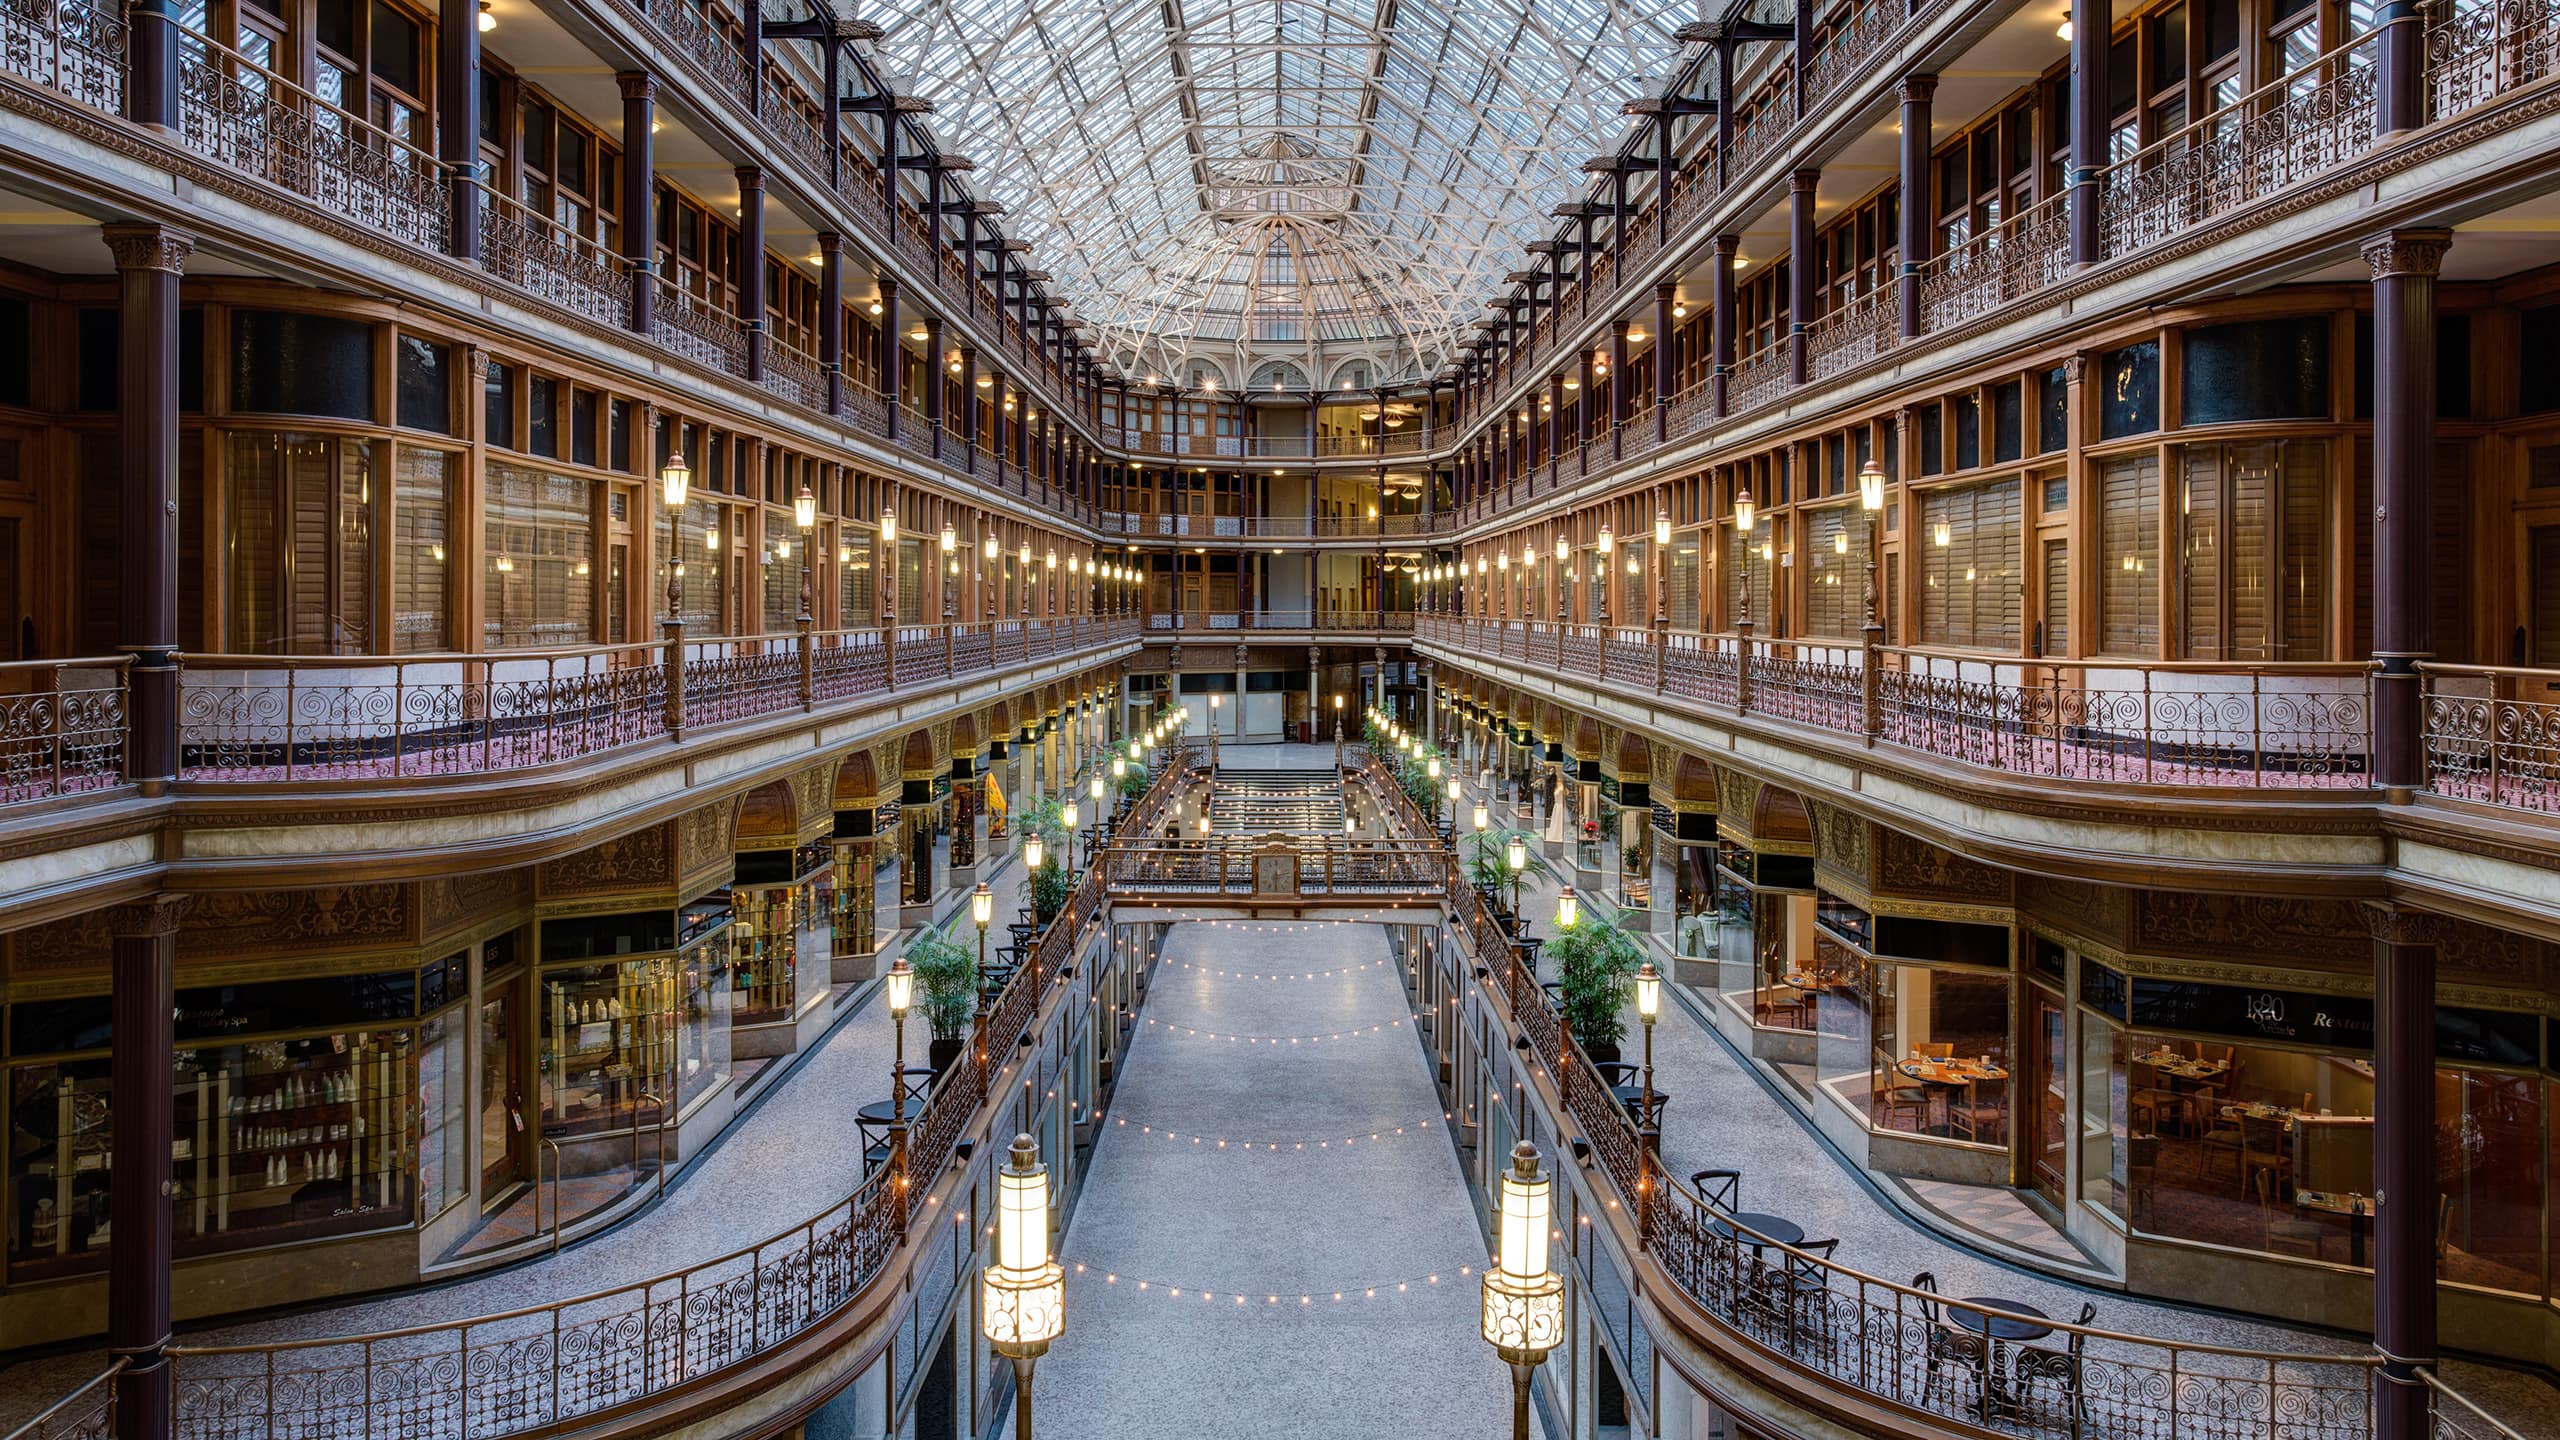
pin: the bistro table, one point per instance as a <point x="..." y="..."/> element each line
<point x="1945" y="1077"/>
<point x="1758" y="1229"/>
<point x="1631" y="1099"/>
<point x="2357" y="1208"/>
<point x="879" y="1116"/>
<point x="2001" y="1331"/>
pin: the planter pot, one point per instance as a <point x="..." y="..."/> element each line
<point x="942" y="1052"/>
<point x="1601" y="1054"/>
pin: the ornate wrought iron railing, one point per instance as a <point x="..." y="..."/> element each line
<point x="2493" y="735"/>
<point x="2478" y="50"/>
<point x="74" y="47"/>
<point x="1999" y="266"/>
<point x="251" y="718"/>
<point x="794" y="375"/>
<point x="86" y="1413"/>
<point x="694" y="329"/>
<point x="62" y="727"/>
<point x="550" y="261"/>
<point x="257" y="123"/>
<point x="1757" y="378"/>
<point x="2301" y="726"/>
<point x="2309" y="122"/>
<point x="1852" y="335"/>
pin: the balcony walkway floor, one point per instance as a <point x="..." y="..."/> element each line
<point x="1258" y="1244"/>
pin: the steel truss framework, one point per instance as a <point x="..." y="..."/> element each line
<point x="1292" y="191"/>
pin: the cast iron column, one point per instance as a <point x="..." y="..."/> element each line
<point x="2404" y="265"/>
<point x="2404" y="1169"/>
<point x="1919" y="203"/>
<point x="831" y="317"/>
<point x="457" y="118"/>
<point x="935" y="378"/>
<point x="2091" y="92"/>
<point x="1664" y="374"/>
<point x="893" y="367"/>
<point x="1720" y="318"/>
<point x="639" y="193"/>
<point x="751" y="298"/>
<point x="149" y="260"/>
<point x="1800" y="267"/>
<point x="142" y="1072"/>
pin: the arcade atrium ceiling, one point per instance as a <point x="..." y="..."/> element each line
<point x="1278" y="192"/>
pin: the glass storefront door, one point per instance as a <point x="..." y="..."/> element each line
<point x="2048" y="1084"/>
<point x="503" y="1134"/>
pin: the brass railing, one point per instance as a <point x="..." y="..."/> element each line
<point x="2493" y="735"/>
<point x="306" y="718"/>
<point x="88" y="1412"/>
<point x="62" y="727"/>
<point x="2301" y="726"/>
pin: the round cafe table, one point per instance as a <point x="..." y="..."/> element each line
<point x="1759" y="1229"/>
<point x="1999" y="1327"/>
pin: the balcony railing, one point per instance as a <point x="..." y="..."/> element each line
<point x="1198" y="622"/>
<point x="278" y="719"/>
<point x="2305" y="726"/>
<point x="1996" y="268"/>
<point x="699" y="331"/>
<point x="255" y="122"/>
<point x="794" y="375"/>
<point x="1228" y="864"/>
<point x="62" y="727"/>
<point x="2308" y="123"/>
<point x="2478" y="50"/>
<point x="552" y="262"/>
<point x="75" y="47"/>
<point x="1853" y="334"/>
<point x="1757" y="378"/>
<point x="1291" y="527"/>
<point x="2493" y="735"/>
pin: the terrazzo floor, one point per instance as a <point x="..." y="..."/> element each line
<point x="1204" y="1265"/>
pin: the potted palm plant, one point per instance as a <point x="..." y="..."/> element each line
<point x="1489" y="869"/>
<point x="1048" y="883"/>
<point x="1594" y="960"/>
<point x="948" y="974"/>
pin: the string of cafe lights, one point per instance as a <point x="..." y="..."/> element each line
<point x="1265" y="1145"/>
<point x="1276" y="1040"/>
<point x="1363" y="1292"/>
<point x="1227" y="974"/>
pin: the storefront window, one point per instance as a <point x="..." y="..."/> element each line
<point x="1765" y="936"/>
<point x="2488" y="1148"/>
<point x="58" y="1143"/>
<point x="444" y="1099"/>
<point x="292" y="1138"/>
<point x="541" y="561"/>
<point x="421" y="570"/>
<point x="298" y="514"/>
<point x="1921" y="1048"/>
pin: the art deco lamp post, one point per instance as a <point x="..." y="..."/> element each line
<point x="1871" y="500"/>
<point x="1093" y="837"/>
<point x="804" y="518"/>
<point x="1608" y="545"/>
<point x="675" y="478"/>
<point x="1023" y="1296"/>
<point x="1215" y="701"/>
<point x="1523" y="1297"/>
<point x="1068" y="816"/>
<point x="1568" y="909"/>
<point x="1745" y="516"/>
<point x="1648" y="1010"/>
<point x="982" y="910"/>
<point x="902" y="994"/>
<point x="1337" y="730"/>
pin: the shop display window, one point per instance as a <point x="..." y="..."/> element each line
<point x="785" y="939"/>
<point x="59" y="1137"/>
<point x="1922" y="1048"/>
<point x="1764" y="937"/>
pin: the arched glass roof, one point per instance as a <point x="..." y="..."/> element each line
<point x="1232" y="185"/>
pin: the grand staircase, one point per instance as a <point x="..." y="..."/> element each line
<point x="1288" y="802"/>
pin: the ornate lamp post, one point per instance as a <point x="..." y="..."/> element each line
<point x="1516" y="856"/>
<point x="1023" y="1296"/>
<point x="1648" y="1010"/>
<point x="902" y="994"/>
<point x="1661" y="567"/>
<point x="1523" y="1297"/>
<point x="1745" y="516"/>
<point x="982" y="909"/>
<point x="675" y="478"/>
<point x="1067" y="816"/>
<point x="804" y="518"/>
<point x="1215" y="702"/>
<point x="1453" y="813"/>
<point x="1608" y="545"/>
<point x="1093" y="790"/>
<point x="1337" y="730"/>
<point x="1568" y="909"/>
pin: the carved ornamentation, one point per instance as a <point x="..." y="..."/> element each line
<point x="458" y="901"/>
<point x="2416" y="254"/>
<point x="149" y="247"/>
<point x="1843" y="842"/>
<point x="2269" y="930"/>
<point x="704" y="837"/>
<point x="2099" y="912"/>
<point x="80" y="942"/>
<point x="1911" y="866"/>
<point x="332" y="917"/>
<point x="641" y="860"/>
<point x="1737" y="797"/>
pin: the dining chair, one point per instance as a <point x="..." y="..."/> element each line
<point x="1938" y="1050"/>
<point x="1949" y="1343"/>
<point x="1978" y="1113"/>
<point x="2264" y="1147"/>
<point x="2047" y="1380"/>
<point x="1897" y="1093"/>
<point x="1719" y="1188"/>
<point x="2282" y="1226"/>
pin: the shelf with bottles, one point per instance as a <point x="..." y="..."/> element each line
<point x="292" y="1137"/>
<point x="610" y="1035"/>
